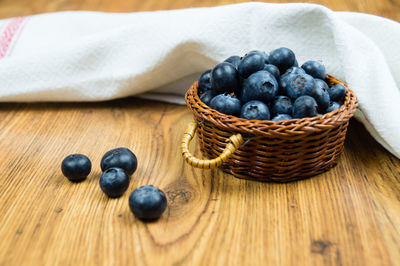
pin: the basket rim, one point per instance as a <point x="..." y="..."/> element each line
<point x="283" y="128"/>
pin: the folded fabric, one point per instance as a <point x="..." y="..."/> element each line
<point x="93" y="56"/>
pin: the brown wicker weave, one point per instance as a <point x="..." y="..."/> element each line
<point x="273" y="151"/>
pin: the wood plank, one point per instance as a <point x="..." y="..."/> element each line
<point x="11" y="8"/>
<point x="347" y="216"/>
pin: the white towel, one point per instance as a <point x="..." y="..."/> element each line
<point x="93" y="56"/>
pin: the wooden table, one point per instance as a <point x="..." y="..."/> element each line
<point x="347" y="216"/>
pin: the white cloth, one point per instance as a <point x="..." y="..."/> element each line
<point x="93" y="56"/>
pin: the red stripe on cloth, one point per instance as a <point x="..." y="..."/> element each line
<point x="8" y="34"/>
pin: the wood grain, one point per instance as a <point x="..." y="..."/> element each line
<point x="11" y="8"/>
<point x="347" y="216"/>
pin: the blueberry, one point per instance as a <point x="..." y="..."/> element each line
<point x="298" y="84"/>
<point x="76" y="167"/>
<point x="321" y="83"/>
<point x="205" y="81"/>
<point x="121" y="158"/>
<point x="320" y="94"/>
<point x="273" y="70"/>
<point x="295" y="70"/>
<point x="250" y="64"/>
<point x="207" y="96"/>
<point x="234" y="60"/>
<point x="283" y="82"/>
<point x="304" y="106"/>
<point x="282" y="117"/>
<point x="224" y="78"/>
<point x="226" y="104"/>
<point x="283" y="58"/>
<point x="333" y="106"/>
<point x="315" y="69"/>
<point x="296" y="64"/>
<point x="255" y="110"/>
<point x="262" y="53"/>
<point x="114" y="182"/>
<point x="261" y="85"/>
<point x="281" y="105"/>
<point x="147" y="202"/>
<point x="337" y="92"/>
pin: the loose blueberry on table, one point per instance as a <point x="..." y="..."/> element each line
<point x="147" y="202"/>
<point x="114" y="182"/>
<point x="273" y="81"/>
<point x="121" y="158"/>
<point x="76" y="167"/>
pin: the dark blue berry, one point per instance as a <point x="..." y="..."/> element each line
<point x="337" y="92"/>
<point x="332" y="106"/>
<point x="234" y="60"/>
<point x="320" y="94"/>
<point x="295" y="70"/>
<point x="114" y="182"/>
<point x="262" y="53"/>
<point x="224" y="78"/>
<point x="250" y="64"/>
<point x="76" y="167"/>
<point x="226" y="104"/>
<point x="147" y="202"/>
<point x="261" y="85"/>
<point x="283" y="58"/>
<point x="304" y="106"/>
<point x="282" y="117"/>
<point x="255" y="110"/>
<point x="321" y="83"/>
<point x="298" y="84"/>
<point x="315" y="69"/>
<point x="207" y="96"/>
<point x="273" y="70"/>
<point x="281" y="105"/>
<point x="283" y="82"/>
<point x="121" y="158"/>
<point x="296" y="64"/>
<point x="205" y="81"/>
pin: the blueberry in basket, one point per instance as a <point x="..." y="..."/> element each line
<point x="250" y="64"/>
<point x="304" y="106"/>
<point x="337" y="92"/>
<point x="283" y="58"/>
<point x="298" y="85"/>
<point x="281" y="105"/>
<point x="315" y="69"/>
<point x="224" y="78"/>
<point x="255" y="110"/>
<point x="205" y="81"/>
<point x="273" y="70"/>
<point x="234" y="60"/>
<point x="262" y="86"/>
<point x="207" y="96"/>
<point x="226" y="103"/>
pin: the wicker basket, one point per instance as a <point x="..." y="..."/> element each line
<point x="266" y="150"/>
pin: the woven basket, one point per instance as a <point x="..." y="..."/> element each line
<point x="279" y="151"/>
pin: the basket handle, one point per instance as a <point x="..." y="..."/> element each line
<point x="235" y="141"/>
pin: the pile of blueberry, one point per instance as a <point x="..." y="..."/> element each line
<point x="146" y="202"/>
<point x="273" y="87"/>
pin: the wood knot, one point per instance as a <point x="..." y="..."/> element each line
<point x="319" y="246"/>
<point x="179" y="196"/>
